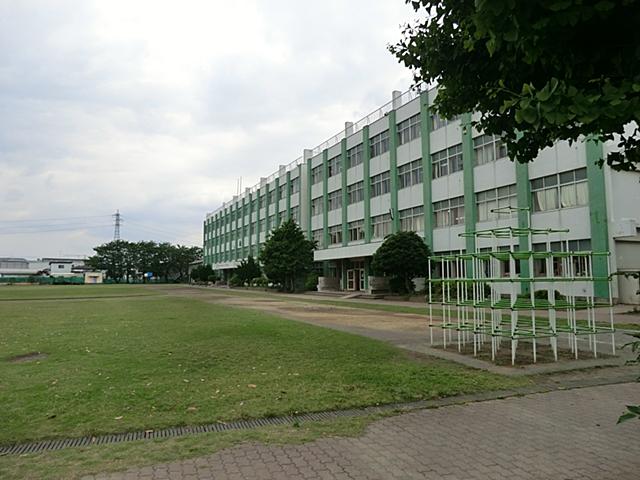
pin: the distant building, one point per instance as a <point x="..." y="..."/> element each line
<point x="55" y="267"/>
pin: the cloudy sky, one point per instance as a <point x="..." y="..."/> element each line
<point x="156" y="108"/>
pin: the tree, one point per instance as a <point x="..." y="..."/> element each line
<point x="124" y="260"/>
<point x="403" y="255"/>
<point x="537" y="71"/>
<point x="248" y="270"/>
<point x="113" y="258"/>
<point x="287" y="256"/>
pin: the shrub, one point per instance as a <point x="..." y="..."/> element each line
<point x="311" y="282"/>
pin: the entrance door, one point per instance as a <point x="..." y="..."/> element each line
<point x="361" y="270"/>
<point x="351" y="279"/>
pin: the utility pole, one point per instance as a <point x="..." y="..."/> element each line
<point x="116" y="226"/>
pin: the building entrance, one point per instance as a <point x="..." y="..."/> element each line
<point x="355" y="276"/>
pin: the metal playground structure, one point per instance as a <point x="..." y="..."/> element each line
<point x="511" y="291"/>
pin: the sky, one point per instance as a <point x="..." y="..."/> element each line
<point x="156" y="108"/>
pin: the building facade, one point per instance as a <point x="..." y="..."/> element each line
<point x="405" y="168"/>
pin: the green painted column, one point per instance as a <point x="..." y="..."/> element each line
<point x="523" y="194"/>
<point x="366" y="272"/>
<point x="366" y="180"/>
<point x="258" y="207"/>
<point x="267" y="222"/>
<point x="427" y="166"/>
<point x="250" y="230"/>
<point x="277" y="206"/>
<point x="308" y="193"/>
<point x="288" y="195"/>
<point x="343" y="161"/>
<point x="470" y="214"/>
<point x="393" y="170"/>
<point x="598" y="217"/>
<point x="325" y="198"/>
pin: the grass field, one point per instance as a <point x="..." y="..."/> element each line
<point x="134" y="358"/>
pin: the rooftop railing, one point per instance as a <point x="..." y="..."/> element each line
<point x="377" y="114"/>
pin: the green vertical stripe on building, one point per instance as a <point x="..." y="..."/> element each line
<point x="523" y="193"/>
<point x="288" y="195"/>
<point x="467" y="171"/>
<point x="427" y="175"/>
<point x="277" y="203"/>
<point x="598" y="214"/>
<point x="343" y="161"/>
<point x="308" y="191"/>
<point x="366" y="179"/>
<point x="250" y="229"/>
<point x="393" y="170"/>
<point x="325" y="198"/>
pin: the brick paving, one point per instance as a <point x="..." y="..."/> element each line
<point x="561" y="435"/>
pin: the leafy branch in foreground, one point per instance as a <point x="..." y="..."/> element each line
<point x="537" y="71"/>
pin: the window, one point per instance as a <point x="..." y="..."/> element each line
<point x="295" y="185"/>
<point x="316" y="206"/>
<point x="410" y="174"/>
<point x="560" y="190"/>
<point x="409" y="129"/>
<point x="379" y="144"/>
<point x="60" y="266"/>
<point x="335" y="234"/>
<point x="295" y="214"/>
<point x="496" y="198"/>
<point x="380" y="184"/>
<point x="282" y="191"/>
<point x="438" y="122"/>
<point x="579" y="265"/>
<point x="263" y="198"/>
<point x="334" y="166"/>
<point x="355" y="192"/>
<point x="272" y="222"/>
<point x="335" y="199"/>
<point x="316" y="236"/>
<point x="488" y="148"/>
<point x="448" y="161"/>
<point x="356" y="230"/>
<point x="412" y="219"/>
<point x="271" y="196"/>
<point x="316" y="174"/>
<point x="381" y="226"/>
<point x="254" y="204"/>
<point x="354" y="156"/>
<point x="448" y="212"/>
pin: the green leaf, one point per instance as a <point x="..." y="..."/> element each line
<point x="625" y="417"/>
<point x="635" y="409"/>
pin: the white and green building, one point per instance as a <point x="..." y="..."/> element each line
<point x="405" y="168"/>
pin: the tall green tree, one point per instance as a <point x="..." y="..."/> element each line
<point x="113" y="258"/>
<point x="403" y="255"/>
<point x="287" y="256"/>
<point x="537" y="71"/>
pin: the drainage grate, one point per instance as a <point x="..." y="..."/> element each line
<point x="174" y="432"/>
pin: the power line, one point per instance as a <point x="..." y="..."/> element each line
<point x="46" y="230"/>
<point x="52" y="219"/>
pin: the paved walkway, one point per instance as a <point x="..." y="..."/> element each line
<point x="562" y="435"/>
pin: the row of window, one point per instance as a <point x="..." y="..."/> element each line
<point x="486" y="149"/>
<point x="556" y="191"/>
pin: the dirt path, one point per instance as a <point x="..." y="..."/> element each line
<point x="404" y="330"/>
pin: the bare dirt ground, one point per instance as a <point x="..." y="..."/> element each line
<point x="407" y="331"/>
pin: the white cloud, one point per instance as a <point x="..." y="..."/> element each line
<point x="157" y="107"/>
